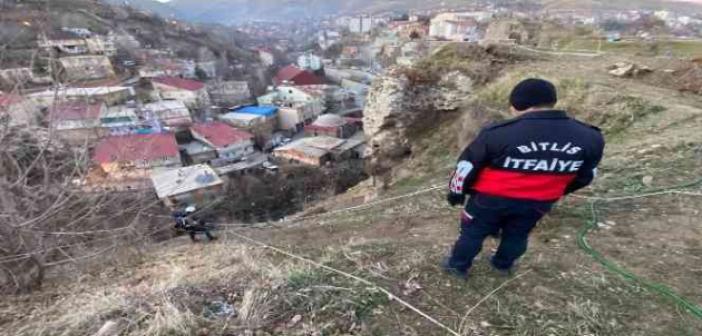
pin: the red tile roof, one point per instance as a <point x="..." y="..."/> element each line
<point x="136" y="147"/>
<point x="181" y="83"/>
<point x="296" y="76"/>
<point x="75" y="110"/>
<point x="220" y="134"/>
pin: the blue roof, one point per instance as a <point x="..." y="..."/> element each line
<point x="258" y="110"/>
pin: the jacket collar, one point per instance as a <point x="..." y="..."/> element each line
<point x="544" y="114"/>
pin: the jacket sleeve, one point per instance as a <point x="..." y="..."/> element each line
<point x="588" y="171"/>
<point x="471" y="161"/>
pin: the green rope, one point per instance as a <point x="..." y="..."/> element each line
<point x="663" y="290"/>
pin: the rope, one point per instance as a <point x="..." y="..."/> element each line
<point x="390" y="295"/>
<point x="663" y="290"/>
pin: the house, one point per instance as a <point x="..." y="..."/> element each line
<point x="77" y="122"/>
<point x="332" y="125"/>
<point x="18" y="110"/>
<point x="84" y="68"/>
<point x="197" y="152"/>
<point x="171" y="113"/>
<point x="327" y="38"/>
<point x="266" y="57"/>
<point x="287" y="96"/>
<point x="63" y="42"/>
<point x="229" y="93"/>
<point x="160" y="66"/>
<point x="110" y="95"/>
<point x="293" y="75"/>
<point x="309" y="62"/>
<point x="455" y="27"/>
<point x="187" y="185"/>
<point x="22" y="76"/>
<point x="409" y="29"/>
<point x="132" y="157"/>
<point x="363" y="24"/>
<point x="192" y="93"/>
<point x="292" y="118"/>
<point x="230" y="143"/>
<point x="259" y="120"/>
<point x="242" y="120"/>
<point x="320" y="150"/>
<point x="119" y="120"/>
<point x="77" y="41"/>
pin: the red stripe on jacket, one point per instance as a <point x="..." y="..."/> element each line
<point x="527" y="186"/>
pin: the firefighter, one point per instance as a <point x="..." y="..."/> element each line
<point x="514" y="171"/>
<point x="188" y="222"/>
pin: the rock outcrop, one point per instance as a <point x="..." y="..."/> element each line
<point x="399" y="106"/>
<point x="624" y="69"/>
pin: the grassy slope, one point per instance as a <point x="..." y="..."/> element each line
<point x="561" y="291"/>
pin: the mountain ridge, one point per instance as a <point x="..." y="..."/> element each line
<point x="232" y="11"/>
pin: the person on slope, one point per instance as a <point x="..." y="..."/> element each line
<point x="186" y="221"/>
<point x="514" y="171"/>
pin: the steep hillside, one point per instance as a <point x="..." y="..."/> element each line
<point x="23" y="21"/>
<point x="371" y="268"/>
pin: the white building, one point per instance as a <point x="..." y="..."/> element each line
<point x="290" y="96"/>
<point x="363" y="24"/>
<point x="309" y="62"/>
<point x="194" y="184"/>
<point x="192" y="93"/>
<point x="456" y="26"/>
<point x="266" y="57"/>
<point x="172" y="113"/>
<point x="119" y="119"/>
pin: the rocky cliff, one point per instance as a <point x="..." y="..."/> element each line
<point x="406" y="101"/>
<point x="398" y="106"/>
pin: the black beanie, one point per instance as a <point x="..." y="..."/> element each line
<point x="533" y="92"/>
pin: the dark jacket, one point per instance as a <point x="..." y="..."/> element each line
<point x="539" y="156"/>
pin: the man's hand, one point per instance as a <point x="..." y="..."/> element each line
<point x="455" y="199"/>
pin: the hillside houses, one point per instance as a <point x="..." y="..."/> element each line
<point x="128" y="160"/>
<point x="186" y="185"/>
<point x="171" y="113"/>
<point x="85" y="67"/>
<point x="77" y="122"/>
<point x="293" y="75"/>
<point x="289" y="96"/>
<point x="192" y="93"/>
<point x="332" y="125"/>
<point x="229" y="93"/>
<point x="231" y="144"/>
<point x="261" y="121"/>
<point x="77" y="41"/>
<point x="110" y="95"/>
<point x="321" y="150"/>
<point x="455" y="27"/>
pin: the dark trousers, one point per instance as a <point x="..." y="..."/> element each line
<point x="488" y="215"/>
<point x="193" y="231"/>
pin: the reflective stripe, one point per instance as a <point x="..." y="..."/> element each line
<point x="463" y="168"/>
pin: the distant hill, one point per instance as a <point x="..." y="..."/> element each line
<point x="682" y="6"/>
<point x="231" y="11"/>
